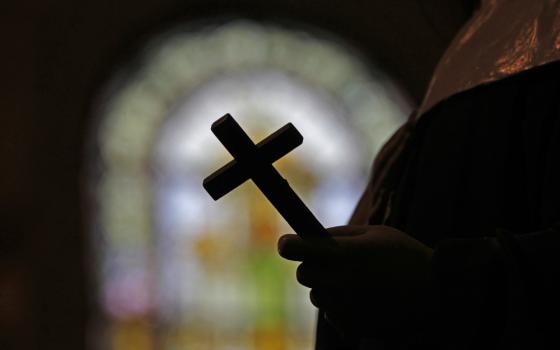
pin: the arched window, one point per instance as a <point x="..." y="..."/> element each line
<point x="179" y="271"/>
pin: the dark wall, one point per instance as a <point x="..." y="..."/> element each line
<point x="55" y="53"/>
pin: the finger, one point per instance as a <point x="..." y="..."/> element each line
<point x="293" y="247"/>
<point x="306" y="275"/>
<point x="321" y="298"/>
<point x="311" y="274"/>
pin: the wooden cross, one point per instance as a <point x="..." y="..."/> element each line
<point x="255" y="162"/>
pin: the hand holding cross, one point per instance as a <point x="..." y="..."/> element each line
<point x="255" y="162"/>
<point x="388" y="293"/>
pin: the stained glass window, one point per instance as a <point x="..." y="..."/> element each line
<point x="177" y="270"/>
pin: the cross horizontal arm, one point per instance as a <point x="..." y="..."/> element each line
<point x="269" y="150"/>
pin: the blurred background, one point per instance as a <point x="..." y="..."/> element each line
<point x="107" y="239"/>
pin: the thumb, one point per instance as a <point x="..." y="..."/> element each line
<point x="351" y="239"/>
<point x="347" y="230"/>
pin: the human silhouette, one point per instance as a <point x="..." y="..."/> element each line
<point x="453" y="244"/>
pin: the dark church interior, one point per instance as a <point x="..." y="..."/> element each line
<point x="57" y="60"/>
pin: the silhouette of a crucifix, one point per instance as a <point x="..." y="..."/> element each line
<point x="255" y="162"/>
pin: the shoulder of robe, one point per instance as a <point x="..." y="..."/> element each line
<point x="503" y="38"/>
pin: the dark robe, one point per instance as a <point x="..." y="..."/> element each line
<point x="475" y="174"/>
<point x="478" y="178"/>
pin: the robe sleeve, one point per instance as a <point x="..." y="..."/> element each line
<point x="502" y="290"/>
